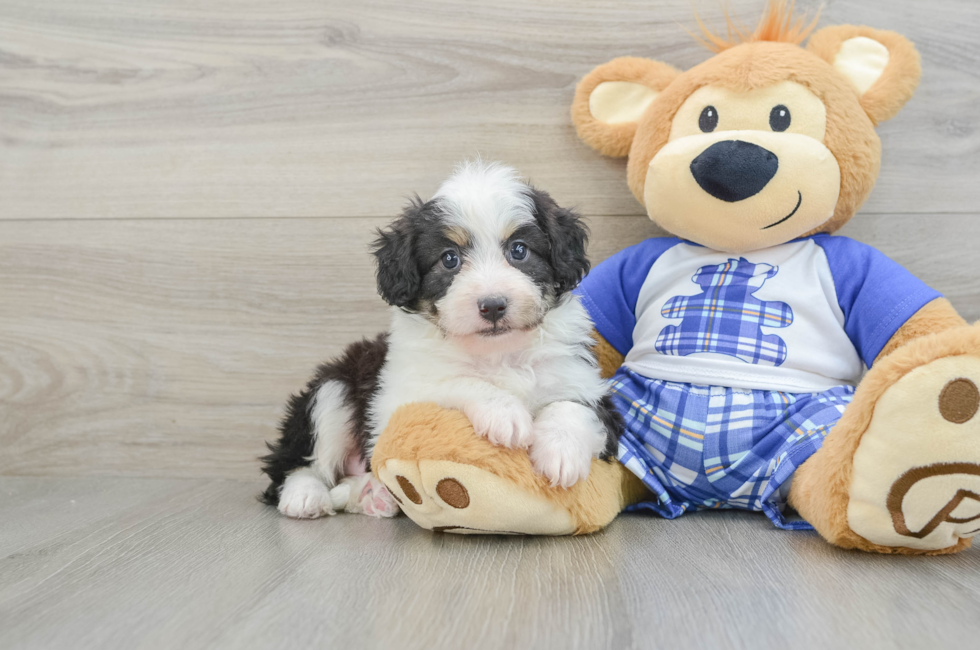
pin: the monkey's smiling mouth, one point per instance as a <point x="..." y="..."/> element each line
<point x="799" y="201"/>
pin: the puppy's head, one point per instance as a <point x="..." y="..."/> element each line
<point x="485" y="258"/>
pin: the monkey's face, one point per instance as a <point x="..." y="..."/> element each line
<point x="760" y="144"/>
<point x="744" y="170"/>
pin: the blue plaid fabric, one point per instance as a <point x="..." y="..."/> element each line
<point x="725" y="318"/>
<point x="700" y="447"/>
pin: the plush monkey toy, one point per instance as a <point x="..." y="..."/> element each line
<point x="738" y="348"/>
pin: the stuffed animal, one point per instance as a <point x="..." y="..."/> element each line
<point x="759" y="361"/>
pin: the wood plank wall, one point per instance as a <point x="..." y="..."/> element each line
<point x="187" y="190"/>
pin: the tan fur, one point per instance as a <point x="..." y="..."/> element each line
<point x="936" y="316"/>
<point x="458" y="235"/>
<point x="614" y="139"/>
<point x="429" y="432"/>
<point x="764" y="60"/>
<point x="608" y="357"/>
<point x="898" y="82"/>
<point x="850" y="133"/>
<point x="821" y="485"/>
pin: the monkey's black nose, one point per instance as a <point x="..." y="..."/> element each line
<point x="733" y="170"/>
<point x="493" y="308"/>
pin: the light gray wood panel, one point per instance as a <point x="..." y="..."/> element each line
<point x="167" y="347"/>
<point x="242" y="108"/>
<point x="200" y="564"/>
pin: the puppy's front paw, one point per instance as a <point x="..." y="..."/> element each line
<point x="504" y="421"/>
<point x="304" y="496"/>
<point x="564" y="463"/>
<point x="567" y="436"/>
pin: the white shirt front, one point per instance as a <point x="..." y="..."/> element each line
<point x="798" y="346"/>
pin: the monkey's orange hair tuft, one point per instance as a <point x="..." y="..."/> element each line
<point x="777" y="24"/>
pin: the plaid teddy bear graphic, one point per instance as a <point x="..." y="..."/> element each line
<point x="725" y="318"/>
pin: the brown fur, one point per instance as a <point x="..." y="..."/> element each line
<point x="820" y="486"/>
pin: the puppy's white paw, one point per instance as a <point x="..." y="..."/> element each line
<point x="567" y="436"/>
<point x="504" y="421"/>
<point x="304" y="496"/>
<point x="562" y="463"/>
<point x="364" y="494"/>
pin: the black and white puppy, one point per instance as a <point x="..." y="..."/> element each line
<point x="483" y="321"/>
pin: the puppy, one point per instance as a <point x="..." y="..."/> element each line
<point x="483" y="321"/>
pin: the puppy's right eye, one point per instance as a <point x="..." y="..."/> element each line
<point x="450" y="259"/>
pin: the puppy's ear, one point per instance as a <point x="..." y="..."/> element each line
<point x="399" y="280"/>
<point x="883" y="67"/>
<point x="568" y="238"/>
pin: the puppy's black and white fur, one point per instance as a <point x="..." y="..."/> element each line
<point x="483" y="321"/>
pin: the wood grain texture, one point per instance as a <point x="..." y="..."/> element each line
<point x="178" y="563"/>
<point x="245" y="108"/>
<point x="168" y="347"/>
<point x="187" y="192"/>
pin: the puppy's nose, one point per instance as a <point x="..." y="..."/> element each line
<point x="733" y="170"/>
<point x="493" y="308"/>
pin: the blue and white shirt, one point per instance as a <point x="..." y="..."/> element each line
<point x="799" y="317"/>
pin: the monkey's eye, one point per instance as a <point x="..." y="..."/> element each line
<point x="450" y="259"/>
<point x="709" y="119"/>
<point x="779" y="118"/>
<point x="518" y="251"/>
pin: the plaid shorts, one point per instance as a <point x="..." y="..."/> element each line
<point x="701" y="447"/>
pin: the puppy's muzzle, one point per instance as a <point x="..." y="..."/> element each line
<point x="492" y="308"/>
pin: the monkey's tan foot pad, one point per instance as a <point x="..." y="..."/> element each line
<point x="450" y="497"/>
<point x="916" y="472"/>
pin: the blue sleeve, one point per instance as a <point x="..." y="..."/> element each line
<point x="876" y="294"/>
<point x="609" y="292"/>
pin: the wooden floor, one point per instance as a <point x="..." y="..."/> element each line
<point x="194" y="563"/>
<point x="187" y="190"/>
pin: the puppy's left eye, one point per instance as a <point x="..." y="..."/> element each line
<point x="450" y="259"/>
<point x="518" y="251"/>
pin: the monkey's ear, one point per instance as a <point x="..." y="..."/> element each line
<point x="883" y="67"/>
<point x="610" y="100"/>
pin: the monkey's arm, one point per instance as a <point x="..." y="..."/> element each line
<point x="935" y="316"/>
<point x="608" y="357"/>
